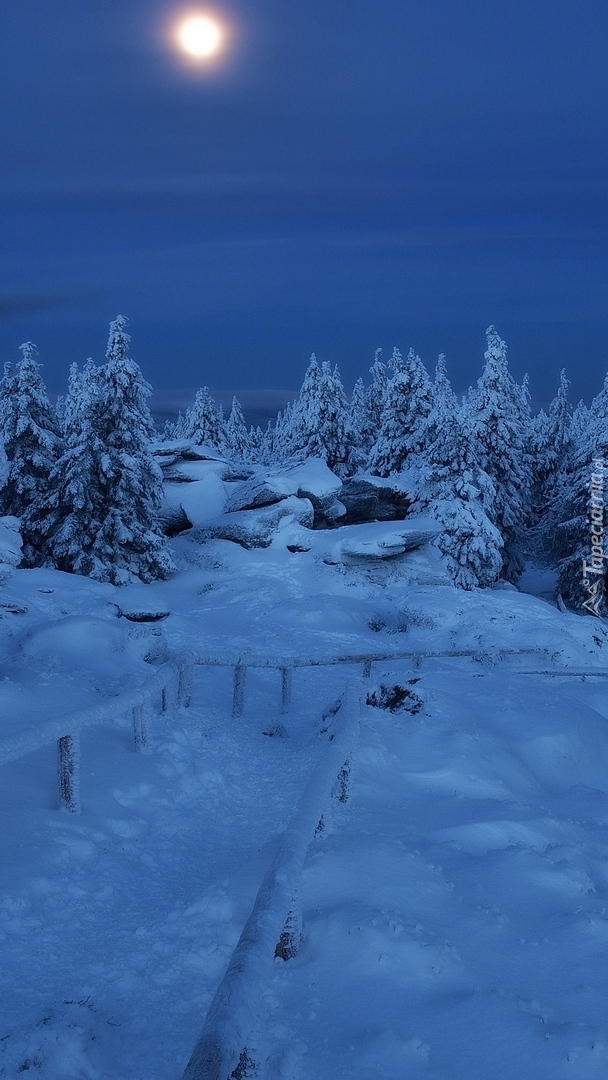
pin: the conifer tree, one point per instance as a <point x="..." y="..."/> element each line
<point x="375" y="397"/>
<point x="3" y="465"/>
<point x="500" y="430"/>
<point x="236" y="435"/>
<point x="32" y="444"/>
<point x="444" y="403"/>
<point x="130" y="541"/>
<point x="580" y="520"/>
<point x="458" y="493"/>
<point x="407" y="404"/>
<point x="319" y="417"/>
<point x="204" y="422"/>
<point x="357" y="425"/>
<point x="71" y="516"/>
<point x="551" y="443"/>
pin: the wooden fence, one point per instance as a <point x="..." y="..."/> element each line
<point x="171" y="681"/>
<point x="174" y="680"/>
<point x="274" y="926"/>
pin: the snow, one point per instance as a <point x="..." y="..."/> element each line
<point x="10" y="546"/>
<point x="204" y="500"/>
<point x="313" y="478"/>
<point x="454" y="908"/>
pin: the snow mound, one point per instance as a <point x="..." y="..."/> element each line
<point x="98" y="651"/>
<point x="204" y="500"/>
<point x="71" y="1041"/>
<point x="315" y="481"/>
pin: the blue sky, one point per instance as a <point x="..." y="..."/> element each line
<point x="349" y="176"/>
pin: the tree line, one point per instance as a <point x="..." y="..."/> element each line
<point x="504" y="485"/>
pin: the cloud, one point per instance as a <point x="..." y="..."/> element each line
<point x="23" y="303"/>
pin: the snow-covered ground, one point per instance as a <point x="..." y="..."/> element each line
<point x="455" y="912"/>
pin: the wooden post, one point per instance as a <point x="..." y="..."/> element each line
<point x="286" y="681"/>
<point x="141" y="719"/>
<point x="238" y="694"/>
<point x="291" y="938"/>
<point x="68" y="760"/>
<point x="342" y="786"/>
<point x="367" y="669"/>
<point x="184" y="686"/>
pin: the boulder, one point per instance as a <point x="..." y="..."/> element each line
<point x="375" y="541"/>
<point x="256" y="492"/>
<point x="314" y="481"/>
<point x="173" y="519"/>
<point x="141" y="603"/>
<point x="257" y="528"/>
<point x="371" y="498"/>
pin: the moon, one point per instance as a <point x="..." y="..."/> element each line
<point x="200" y="36"/>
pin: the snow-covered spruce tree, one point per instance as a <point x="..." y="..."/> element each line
<point x="236" y="434"/>
<point x="129" y="542"/>
<point x="256" y="437"/>
<point x="297" y="422"/>
<point x="445" y="403"/>
<point x="499" y="414"/>
<point x="579" y="514"/>
<point x="174" y="429"/>
<point x="7" y="396"/>
<point x="279" y="438"/>
<point x="551" y="441"/>
<point x="357" y="425"/>
<point x="320" y="418"/>
<point x="81" y="383"/>
<point x="70" y="517"/>
<point x="375" y="395"/>
<point x="204" y="421"/>
<point x="32" y="443"/>
<point x="263" y="444"/>
<point x="3" y="464"/>
<point x="407" y="405"/>
<point x="458" y="493"/>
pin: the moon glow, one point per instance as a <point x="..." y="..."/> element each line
<point x="200" y="37"/>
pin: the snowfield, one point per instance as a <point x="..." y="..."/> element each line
<point x="455" y="908"/>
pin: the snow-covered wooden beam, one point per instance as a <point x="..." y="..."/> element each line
<point x="68" y="763"/>
<point x="64" y="730"/>
<point x="274" y="923"/>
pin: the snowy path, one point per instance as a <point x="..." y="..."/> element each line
<point x="133" y="908"/>
<point x="456" y="918"/>
<point x="456" y="914"/>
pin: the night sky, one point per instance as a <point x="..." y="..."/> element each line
<point x="347" y="175"/>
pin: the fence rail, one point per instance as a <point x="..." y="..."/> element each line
<point x="175" y="678"/>
<point x="274" y="925"/>
<point x="240" y="662"/>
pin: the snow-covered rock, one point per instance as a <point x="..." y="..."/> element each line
<point x="257" y="492"/>
<point x="377" y="540"/>
<point x="256" y="528"/>
<point x="372" y="498"/>
<point x="184" y="448"/>
<point x="316" y="482"/>
<point x="141" y="603"/>
<point x="204" y="500"/>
